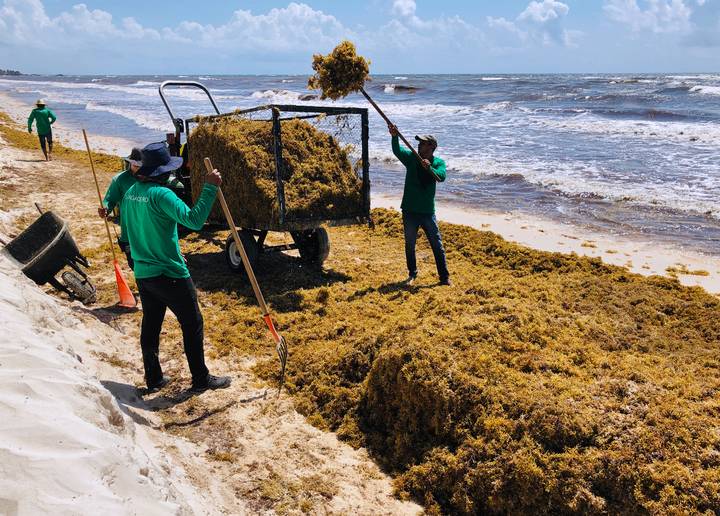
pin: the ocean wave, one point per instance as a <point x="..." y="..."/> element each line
<point x="206" y="78"/>
<point x="280" y="96"/>
<point x="706" y="90"/>
<point x="392" y="88"/>
<point x="493" y="79"/>
<point x="146" y="83"/>
<point x="498" y="106"/>
<point x="141" y="91"/>
<point x="695" y="133"/>
<point x="586" y="181"/>
<point x="147" y="119"/>
<point x="400" y="78"/>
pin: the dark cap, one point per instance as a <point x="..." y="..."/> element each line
<point x="426" y="138"/>
<point x="135" y="157"/>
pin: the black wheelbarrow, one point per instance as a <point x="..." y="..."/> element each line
<point x="44" y="249"/>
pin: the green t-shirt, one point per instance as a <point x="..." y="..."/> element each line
<point x="119" y="185"/>
<point x="151" y="213"/>
<point x="419" y="191"/>
<point x="43" y="117"/>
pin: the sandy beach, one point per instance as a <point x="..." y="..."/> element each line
<point x="538" y="371"/>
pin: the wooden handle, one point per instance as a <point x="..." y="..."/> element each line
<point x="238" y="244"/>
<point x="97" y="186"/>
<point x="377" y="108"/>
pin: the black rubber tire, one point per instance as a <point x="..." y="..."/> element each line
<point x="232" y="256"/>
<point x="80" y="287"/>
<point x="313" y="245"/>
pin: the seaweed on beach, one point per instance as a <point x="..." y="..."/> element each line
<point x="339" y="73"/>
<point x="540" y="383"/>
<point x="318" y="178"/>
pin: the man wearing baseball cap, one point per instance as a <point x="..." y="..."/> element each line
<point x="418" y="202"/>
<point x="121" y="183"/>
<point x="151" y="213"/>
<point x="43" y="118"/>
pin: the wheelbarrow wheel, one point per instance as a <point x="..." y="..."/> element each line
<point x="313" y="245"/>
<point x="232" y="256"/>
<point x="79" y="287"/>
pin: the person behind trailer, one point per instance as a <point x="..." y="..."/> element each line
<point x="151" y="213"/>
<point x="119" y="185"/>
<point x="44" y="118"/>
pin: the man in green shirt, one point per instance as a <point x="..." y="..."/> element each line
<point x="43" y="118"/>
<point x="418" y="202"/>
<point x="121" y="183"/>
<point x="151" y="213"/>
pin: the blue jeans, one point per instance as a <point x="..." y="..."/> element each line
<point x="411" y="223"/>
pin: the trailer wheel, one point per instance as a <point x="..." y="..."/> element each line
<point x="232" y="256"/>
<point x="313" y="245"/>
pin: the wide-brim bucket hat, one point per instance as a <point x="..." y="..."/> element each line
<point x="156" y="160"/>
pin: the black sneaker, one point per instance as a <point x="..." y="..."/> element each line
<point x="212" y="382"/>
<point x="410" y="280"/>
<point x="157" y="386"/>
<point x="446" y="282"/>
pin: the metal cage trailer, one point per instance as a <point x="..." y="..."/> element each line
<point x="348" y="125"/>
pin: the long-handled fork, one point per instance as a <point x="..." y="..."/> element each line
<point x="280" y="344"/>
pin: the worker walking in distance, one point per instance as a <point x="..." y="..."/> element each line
<point x="44" y="118"/>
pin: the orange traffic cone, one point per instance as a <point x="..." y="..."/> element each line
<point x="127" y="299"/>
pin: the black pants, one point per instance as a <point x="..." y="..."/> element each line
<point x="45" y="138"/>
<point x="125" y="248"/>
<point x="179" y="295"/>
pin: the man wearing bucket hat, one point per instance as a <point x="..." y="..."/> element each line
<point x="43" y="118"/>
<point x="418" y="202"/>
<point x="121" y="183"/>
<point x="151" y="214"/>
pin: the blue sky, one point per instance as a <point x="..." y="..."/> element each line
<point x="399" y="36"/>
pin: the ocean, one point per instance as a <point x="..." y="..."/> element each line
<point x="631" y="155"/>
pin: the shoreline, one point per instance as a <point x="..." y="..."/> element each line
<point x="644" y="257"/>
<point x="69" y="136"/>
<point x="641" y="257"/>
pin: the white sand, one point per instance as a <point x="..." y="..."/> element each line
<point x="646" y="258"/>
<point x="65" y="445"/>
<point x="66" y="134"/>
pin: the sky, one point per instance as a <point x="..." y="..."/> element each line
<point x="398" y="36"/>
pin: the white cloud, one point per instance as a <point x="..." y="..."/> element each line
<point x="540" y="22"/>
<point x="658" y="16"/>
<point x="404" y="7"/>
<point x="705" y="21"/>
<point x="697" y="20"/>
<point x="293" y="29"/>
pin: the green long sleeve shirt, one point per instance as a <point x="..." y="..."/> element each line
<point x="119" y="185"/>
<point x="43" y="118"/>
<point x="151" y="213"/>
<point x="419" y="191"/>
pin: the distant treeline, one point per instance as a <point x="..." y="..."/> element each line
<point x="9" y="72"/>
